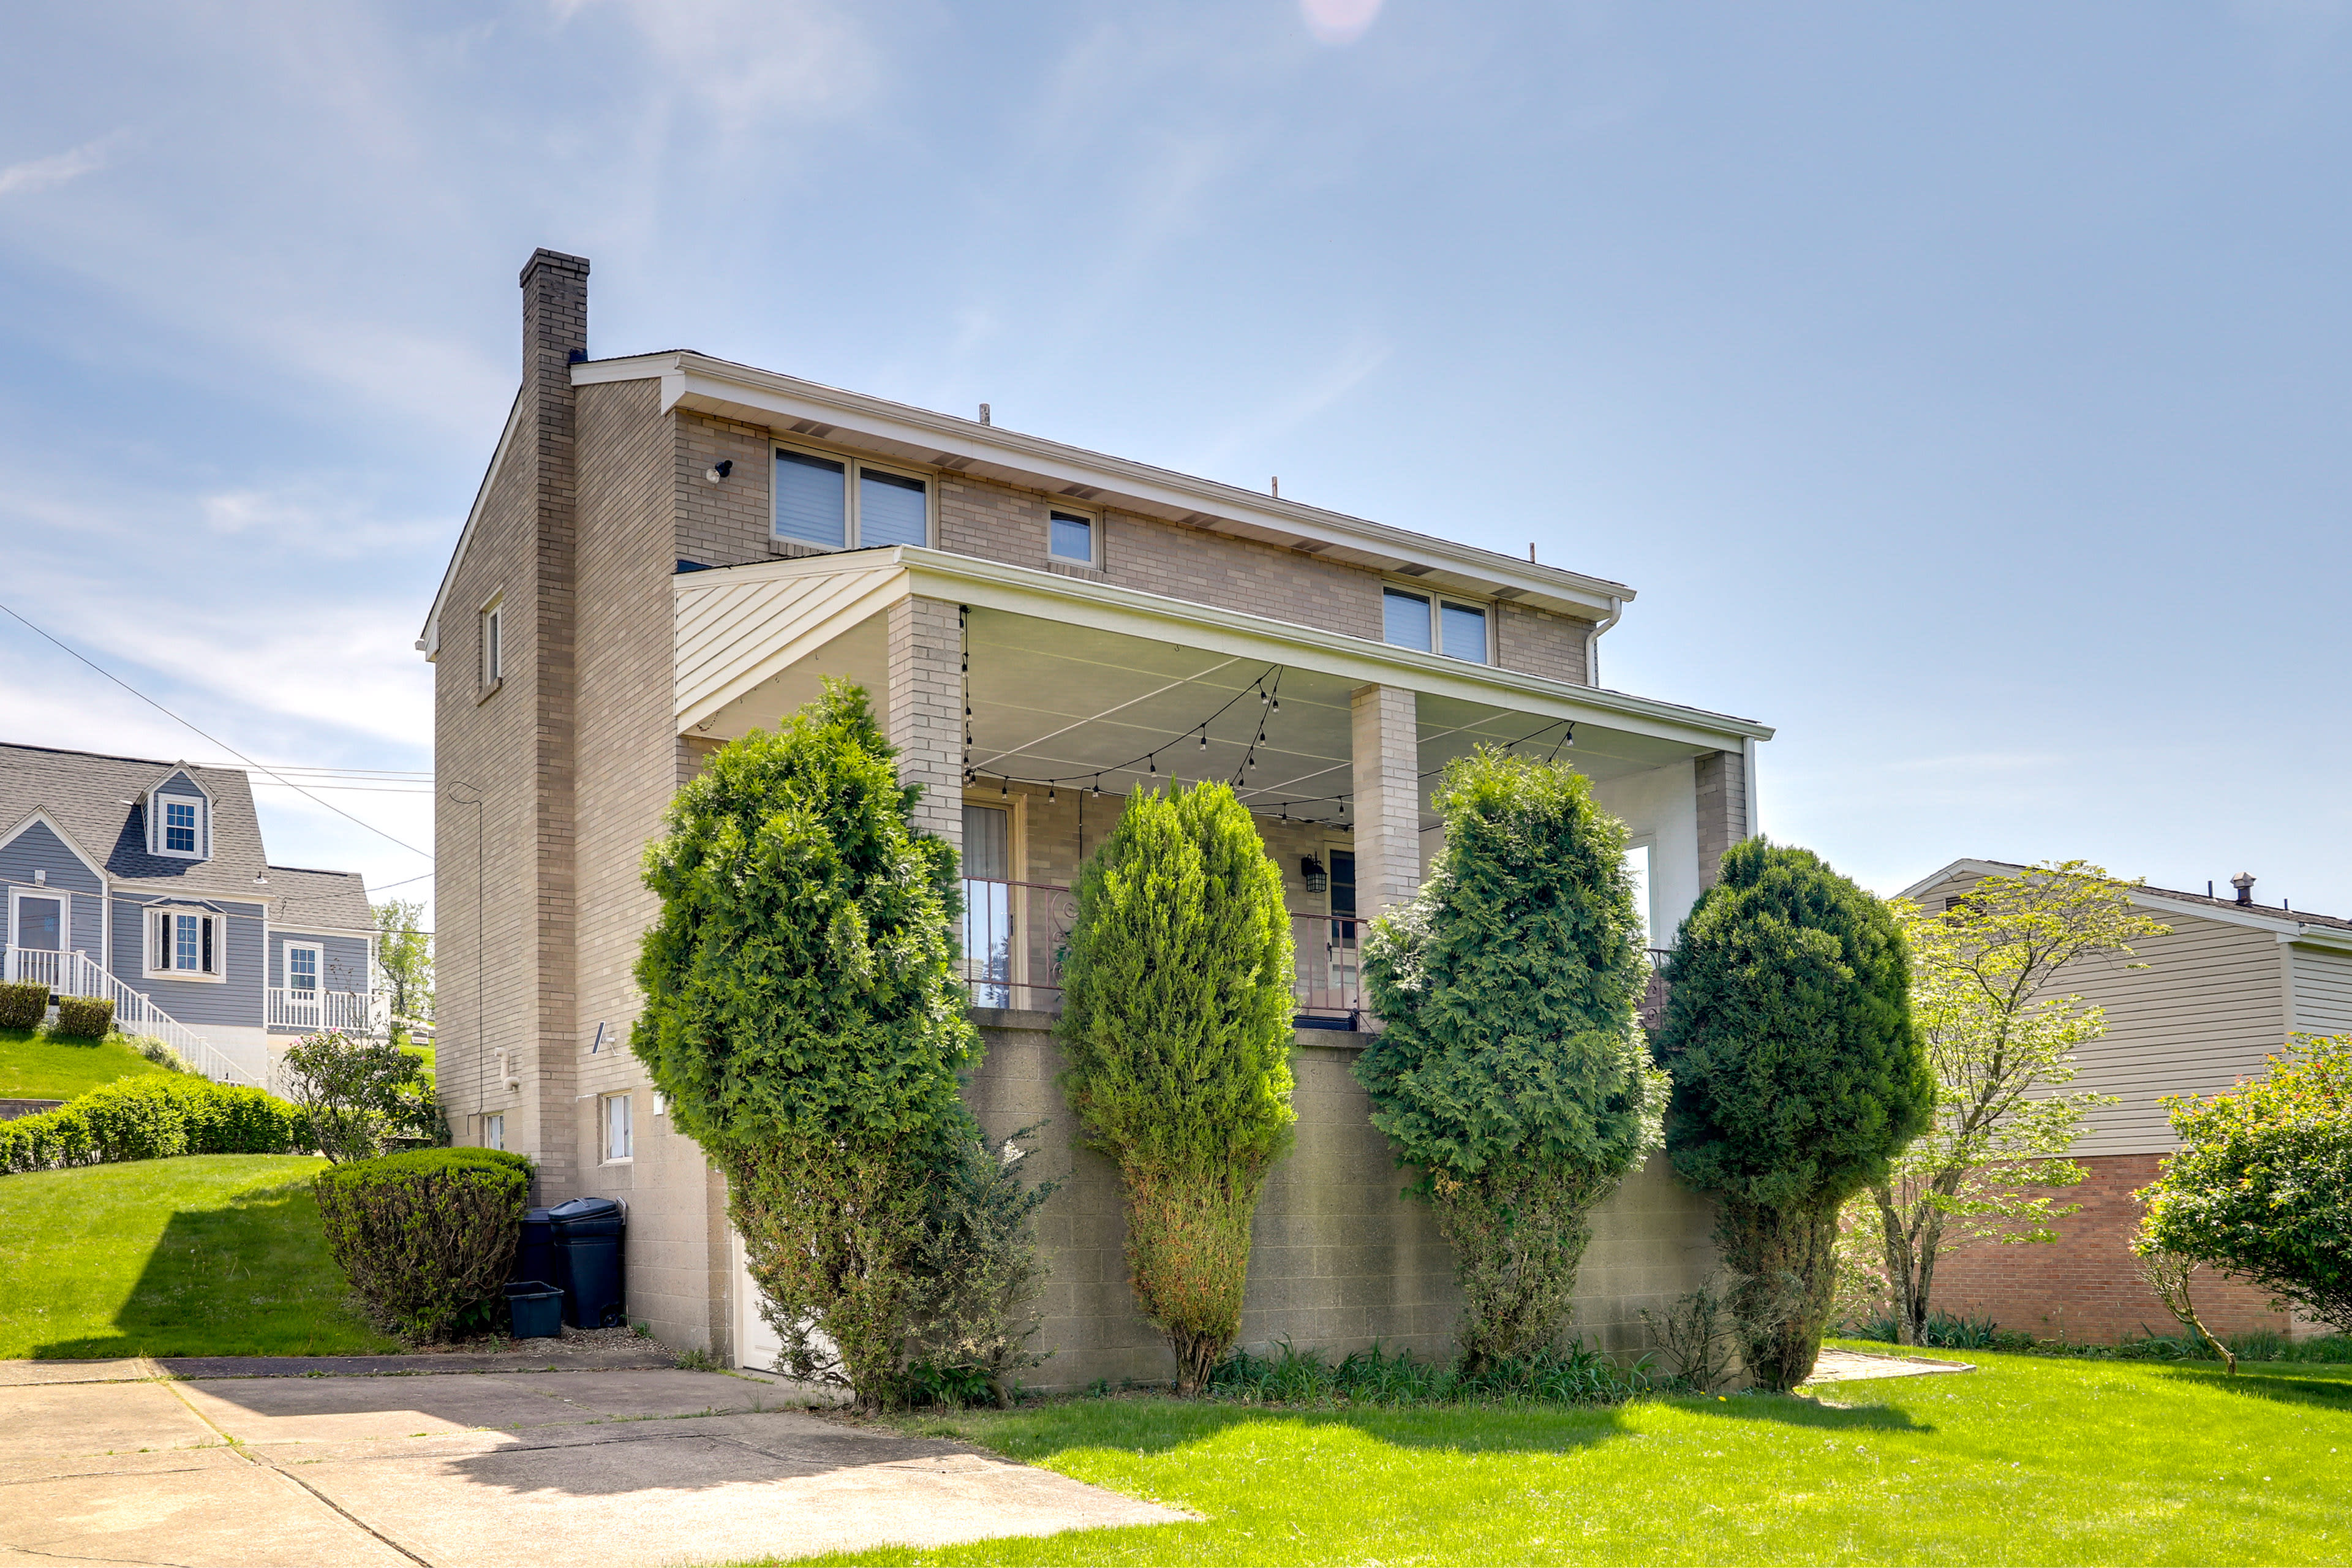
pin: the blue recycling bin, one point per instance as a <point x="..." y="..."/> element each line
<point x="534" y="1249"/>
<point x="536" y="1308"/>
<point x="587" y="1241"/>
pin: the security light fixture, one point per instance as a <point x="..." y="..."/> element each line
<point x="719" y="469"/>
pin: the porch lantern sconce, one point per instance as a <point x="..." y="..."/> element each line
<point x="718" y="470"/>
<point x="1311" y="871"/>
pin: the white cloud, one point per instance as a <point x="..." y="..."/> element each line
<point x="44" y="174"/>
<point x="746" y="62"/>
<point x="1347" y="370"/>
<point x="1339" y="21"/>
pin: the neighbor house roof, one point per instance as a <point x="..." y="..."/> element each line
<point x="320" y="900"/>
<point x="98" y="801"/>
<point x="2286" y="920"/>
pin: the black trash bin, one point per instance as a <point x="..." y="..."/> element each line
<point x="587" y="1238"/>
<point x="536" y="1310"/>
<point x="535" y="1249"/>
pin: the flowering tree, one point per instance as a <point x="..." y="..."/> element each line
<point x="2262" y="1184"/>
<point x="2003" y="1051"/>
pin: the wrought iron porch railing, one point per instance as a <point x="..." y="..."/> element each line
<point x="1017" y="936"/>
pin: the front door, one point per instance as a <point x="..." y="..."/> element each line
<point x="39" y="938"/>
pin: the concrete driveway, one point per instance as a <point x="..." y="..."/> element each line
<point x="536" y="1470"/>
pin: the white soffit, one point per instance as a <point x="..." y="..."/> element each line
<point x="899" y="432"/>
<point x="735" y="634"/>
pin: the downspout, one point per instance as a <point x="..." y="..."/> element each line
<point x="1748" y="771"/>
<point x="1592" y="640"/>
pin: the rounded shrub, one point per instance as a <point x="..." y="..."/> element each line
<point x="153" y="1117"/>
<point x="85" y="1017"/>
<point x="426" y="1237"/>
<point x="23" y="1005"/>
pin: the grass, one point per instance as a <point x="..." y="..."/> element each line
<point x="35" y="1067"/>
<point x="208" y="1255"/>
<point x="2026" y="1461"/>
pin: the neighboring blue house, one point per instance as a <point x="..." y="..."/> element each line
<point x="146" y="882"/>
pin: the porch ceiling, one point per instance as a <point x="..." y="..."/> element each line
<point x="1053" y="702"/>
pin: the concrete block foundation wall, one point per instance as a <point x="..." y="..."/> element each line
<point x="1339" y="1257"/>
<point x="2083" y="1287"/>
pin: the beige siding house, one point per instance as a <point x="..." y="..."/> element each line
<point x="671" y="550"/>
<point x="2218" y="997"/>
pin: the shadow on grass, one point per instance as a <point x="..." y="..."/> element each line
<point x="251" y="1277"/>
<point x="1151" y="1424"/>
<point x="2272" y="1382"/>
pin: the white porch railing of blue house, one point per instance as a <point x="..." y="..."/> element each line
<point x="1016" y="935"/>
<point x="78" y="974"/>
<point x="351" y="1012"/>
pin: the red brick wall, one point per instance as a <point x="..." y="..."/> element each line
<point x="2083" y="1286"/>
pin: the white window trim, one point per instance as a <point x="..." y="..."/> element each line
<point x="850" y="463"/>
<point x="1437" y="599"/>
<point x="490" y="644"/>
<point x="493" y="1130"/>
<point x="1094" y="521"/>
<point x="156" y="955"/>
<point x="605" y="1106"/>
<point x="285" y="963"/>
<point x="156" y="802"/>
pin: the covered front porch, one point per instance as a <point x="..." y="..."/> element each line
<point x="1029" y="703"/>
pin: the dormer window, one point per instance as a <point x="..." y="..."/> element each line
<point x="180" y="825"/>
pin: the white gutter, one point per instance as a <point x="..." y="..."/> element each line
<point x="1593" y="638"/>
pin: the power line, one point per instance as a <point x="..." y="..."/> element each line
<point x="216" y="739"/>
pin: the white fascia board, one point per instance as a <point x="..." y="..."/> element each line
<point x="764" y="398"/>
<point x="2327" y="937"/>
<point x="2280" y="923"/>
<point x="428" y="641"/>
<point x="1047" y="596"/>
<point x="41" y="815"/>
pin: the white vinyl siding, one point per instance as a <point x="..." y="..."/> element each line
<point x="2323" y="992"/>
<point x="2206" y="1012"/>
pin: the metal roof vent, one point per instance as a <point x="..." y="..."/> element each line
<point x="2244" y="882"/>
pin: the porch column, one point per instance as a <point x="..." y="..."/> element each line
<point x="1722" y="780"/>
<point x="1385" y="731"/>
<point x="924" y="714"/>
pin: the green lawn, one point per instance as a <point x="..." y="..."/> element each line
<point x="33" y="1067"/>
<point x="2028" y="1460"/>
<point x="208" y="1255"/>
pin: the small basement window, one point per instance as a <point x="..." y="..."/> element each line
<point x="618" y="1142"/>
<point x="494" y="1131"/>
<point x="1073" y="538"/>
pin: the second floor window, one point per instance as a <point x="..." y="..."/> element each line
<point x="180" y="826"/>
<point x="1073" y="538"/>
<point x="1435" y="624"/>
<point x="816" y="504"/>
<point x="494" y="649"/>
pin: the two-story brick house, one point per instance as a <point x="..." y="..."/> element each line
<point x="669" y="549"/>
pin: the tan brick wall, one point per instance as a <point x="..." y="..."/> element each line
<point x="924" y="712"/>
<point x="1538" y="642"/>
<point x="1387" y="813"/>
<point x="1339" y="1256"/>
<point x="506" y="939"/>
<point x="1722" y="784"/>
<point x="2085" y="1286"/>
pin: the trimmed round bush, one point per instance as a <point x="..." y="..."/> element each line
<point x="427" y="1235"/>
<point x="85" y="1017"/>
<point x="24" y="1006"/>
<point x="154" y="1118"/>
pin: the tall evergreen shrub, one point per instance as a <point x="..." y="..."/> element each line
<point x="1799" y="1074"/>
<point x="1510" y="1069"/>
<point x="804" y="1016"/>
<point x="1176" y="1026"/>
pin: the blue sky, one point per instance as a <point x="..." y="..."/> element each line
<point x="1963" y="387"/>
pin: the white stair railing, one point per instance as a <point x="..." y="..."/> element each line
<point x="78" y="974"/>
